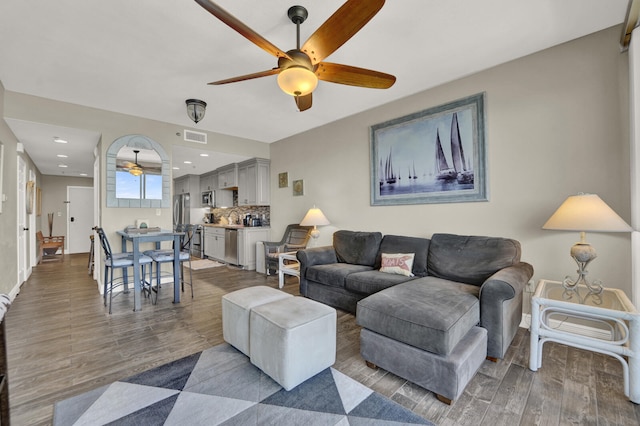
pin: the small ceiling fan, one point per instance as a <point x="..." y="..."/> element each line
<point x="136" y="168"/>
<point x="300" y="69"/>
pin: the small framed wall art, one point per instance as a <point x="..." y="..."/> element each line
<point x="283" y="180"/>
<point x="298" y="187"/>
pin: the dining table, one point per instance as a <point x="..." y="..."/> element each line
<point x="140" y="236"/>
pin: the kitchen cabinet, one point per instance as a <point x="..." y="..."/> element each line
<point x="247" y="239"/>
<point x="254" y="182"/>
<point x="209" y="181"/>
<point x="214" y="243"/>
<point x="222" y="197"/>
<point x="187" y="184"/>
<point x="228" y="176"/>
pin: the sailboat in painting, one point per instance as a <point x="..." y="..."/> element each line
<point x="463" y="174"/>
<point x="444" y="171"/>
<point x="386" y="174"/>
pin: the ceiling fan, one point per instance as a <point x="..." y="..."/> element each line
<point x="136" y="168"/>
<point x="300" y="69"/>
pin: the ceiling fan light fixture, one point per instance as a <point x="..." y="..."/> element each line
<point x="136" y="171"/>
<point x="196" y="109"/>
<point x="297" y="81"/>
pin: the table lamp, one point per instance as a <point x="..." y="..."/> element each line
<point x="582" y="213"/>
<point x="314" y="217"/>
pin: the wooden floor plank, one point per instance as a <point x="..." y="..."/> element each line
<point x="62" y="342"/>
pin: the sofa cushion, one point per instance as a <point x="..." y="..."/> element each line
<point x="370" y="282"/>
<point x="358" y="248"/>
<point x="429" y="313"/>
<point x="470" y="259"/>
<point x="402" y="244"/>
<point x="334" y="274"/>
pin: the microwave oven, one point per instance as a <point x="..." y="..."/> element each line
<point x="207" y="198"/>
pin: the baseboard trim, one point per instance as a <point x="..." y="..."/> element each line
<point x="568" y="327"/>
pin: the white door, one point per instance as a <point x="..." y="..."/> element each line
<point x="33" y="255"/>
<point x="22" y="221"/>
<point x="80" y="218"/>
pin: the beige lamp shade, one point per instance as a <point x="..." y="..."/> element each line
<point x="314" y="217"/>
<point x="586" y="212"/>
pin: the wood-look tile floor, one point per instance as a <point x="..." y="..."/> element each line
<point x="62" y="342"/>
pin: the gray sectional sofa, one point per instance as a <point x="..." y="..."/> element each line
<point x="462" y="302"/>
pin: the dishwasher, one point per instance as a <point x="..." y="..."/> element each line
<point x="231" y="246"/>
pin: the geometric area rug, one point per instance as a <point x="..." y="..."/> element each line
<point x="220" y="386"/>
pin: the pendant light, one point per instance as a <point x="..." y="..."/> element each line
<point x="196" y="109"/>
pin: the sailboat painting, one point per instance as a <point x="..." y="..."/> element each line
<point x="432" y="156"/>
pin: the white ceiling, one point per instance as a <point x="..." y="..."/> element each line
<point x="146" y="57"/>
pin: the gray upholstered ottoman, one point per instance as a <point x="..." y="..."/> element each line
<point x="292" y="339"/>
<point x="236" y="307"/>
<point x="425" y="331"/>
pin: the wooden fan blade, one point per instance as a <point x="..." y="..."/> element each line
<point x="340" y="27"/>
<point x="354" y="76"/>
<point x="304" y="102"/>
<point x="241" y="28"/>
<point x="247" y="77"/>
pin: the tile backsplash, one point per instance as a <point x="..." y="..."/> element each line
<point x="234" y="215"/>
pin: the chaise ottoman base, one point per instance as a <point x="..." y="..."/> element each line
<point x="447" y="376"/>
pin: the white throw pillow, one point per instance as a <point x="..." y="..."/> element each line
<point x="397" y="263"/>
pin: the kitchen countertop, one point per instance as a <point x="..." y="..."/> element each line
<point x="219" y="225"/>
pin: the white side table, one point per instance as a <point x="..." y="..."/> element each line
<point x="610" y="311"/>
<point x="290" y="268"/>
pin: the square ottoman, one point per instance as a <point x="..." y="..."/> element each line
<point x="236" y="307"/>
<point x="292" y="339"/>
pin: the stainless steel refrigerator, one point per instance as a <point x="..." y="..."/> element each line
<point x="181" y="209"/>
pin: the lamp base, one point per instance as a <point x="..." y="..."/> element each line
<point x="583" y="253"/>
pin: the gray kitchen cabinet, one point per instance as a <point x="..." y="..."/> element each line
<point x="247" y="239"/>
<point x="228" y="176"/>
<point x="214" y="243"/>
<point x="254" y="182"/>
<point x="209" y="181"/>
<point x="187" y="184"/>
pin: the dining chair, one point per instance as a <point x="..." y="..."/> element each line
<point x="120" y="261"/>
<point x="161" y="256"/>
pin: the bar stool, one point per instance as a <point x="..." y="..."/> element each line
<point x="90" y="265"/>
<point x="166" y="256"/>
<point x="120" y="261"/>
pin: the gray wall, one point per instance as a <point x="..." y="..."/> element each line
<point x="557" y="124"/>
<point x="54" y="195"/>
<point x="9" y="215"/>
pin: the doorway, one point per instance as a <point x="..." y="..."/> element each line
<point x="80" y="218"/>
<point x="23" y="226"/>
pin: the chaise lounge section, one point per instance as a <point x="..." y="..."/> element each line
<point x="431" y="309"/>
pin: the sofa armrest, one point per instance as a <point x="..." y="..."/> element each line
<point x="501" y="306"/>
<point x="314" y="256"/>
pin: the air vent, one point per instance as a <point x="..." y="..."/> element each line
<point x="197" y="137"/>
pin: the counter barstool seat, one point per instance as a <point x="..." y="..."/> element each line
<point x="120" y="261"/>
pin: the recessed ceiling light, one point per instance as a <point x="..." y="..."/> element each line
<point x="176" y="168"/>
<point x="83" y="174"/>
<point x="58" y="140"/>
<point x="204" y="155"/>
<point x="187" y="162"/>
<point x="62" y="156"/>
<point x="64" y="166"/>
